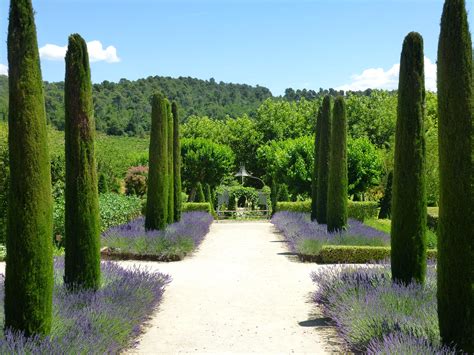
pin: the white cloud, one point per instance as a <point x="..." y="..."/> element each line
<point x="3" y="69"/>
<point x="97" y="52"/>
<point x="378" y="78"/>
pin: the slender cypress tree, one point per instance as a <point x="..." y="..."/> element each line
<point x="274" y="195"/>
<point x="82" y="257"/>
<point x="456" y="155"/>
<point x="158" y="186"/>
<point x="176" y="164"/>
<point x="408" y="234"/>
<point x="386" y="202"/>
<point x="283" y="195"/>
<point x="314" y="178"/>
<point x="170" y="164"/>
<point x="337" y="181"/>
<point x="200" y="193"/>
<point x="208" y="195"/>
<point x="29" y="269"/>
<point x="323" y="160"/>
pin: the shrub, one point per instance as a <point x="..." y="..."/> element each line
<point x="197" y="206"/>
<point x="283" y="195"/>
<point x="136" y="180"/>
<point x="362" y="210"/>
<point x="300" y="206"/>
<point x="432" y="218"/>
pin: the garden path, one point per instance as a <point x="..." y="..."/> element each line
<point x="239" y="293"/>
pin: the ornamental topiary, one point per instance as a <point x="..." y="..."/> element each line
<point x="82" y="250"/>
<point x="337" y="180"/>
<point x="156" y="217"/>
<point x="408" y="233"/>
<point x="29" y="269"/>
<point x="456" y="155"/>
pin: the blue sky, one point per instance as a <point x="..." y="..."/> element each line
<point x="273" y="43"/>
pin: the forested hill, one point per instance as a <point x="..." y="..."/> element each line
<point x="123" y="108"/>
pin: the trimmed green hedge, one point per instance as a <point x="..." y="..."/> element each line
<point x="343" y="254"/>
<point x="356" y="210"/>
<point x="197" y="206"/>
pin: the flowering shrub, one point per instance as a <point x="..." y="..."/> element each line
<point x="89" y="322"/>
<point x="307" y="237"/>
<point x="373" y="314"/>
<point x="136" y="180"/>
<point x="173" y="243"/>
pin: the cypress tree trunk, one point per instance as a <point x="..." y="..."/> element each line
<point x="323" y="160"/>
<point x="337" y="182"/>
<point x="386" y="203"/>
<point x="29" y="269"/>
<point x="170" y="165"/>
<point x="456" y="154"/>
<point x="314" y="178"/>
<point x="158" y="186"/>
<point x="176" y="164"/>
<point x="408" y="234"/>
<point x="82" y="258"/>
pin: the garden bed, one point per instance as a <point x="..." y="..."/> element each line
<point x="376" y="316"/>
<point x="131" y="242"/>
<point x="311" y="242"/>
<point x="85" y="322"/>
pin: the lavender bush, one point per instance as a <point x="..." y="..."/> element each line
<point x="307" y="237"/>
<point x="373" y="314"/>
<point x="106" y="321"/>
<point x="175" y="242"/>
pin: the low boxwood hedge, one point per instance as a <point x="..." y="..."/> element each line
<point x="356" y="210"/>
<point x="343" y="254"/>
<point x="197" y="207"/>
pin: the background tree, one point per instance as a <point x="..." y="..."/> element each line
<point x="176" y="163"/>
<point x="408" y="234"/>
<point x="314" y="177"/>
<point x="323" y="160"/>
<point x="170" y="217"/>
<point x="82" y="251"/>
<point x="157" y="195"/>
<point x="29" y="269"/>
<point x="456" y="210"/>
<point x="337" y="179"/>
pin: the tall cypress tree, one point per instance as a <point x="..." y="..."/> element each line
<point x="408" y="234"/>
<point x="199" y="193"/>
<point x="323" y="160"/>
<point x="29" y="269"/>
<point x="386" y="202"/>
<point x="337" y="181"/>
<point x="274" y="195"/>
<point x="314" y="177"/>
<point x="176" y="164"/>
<point x="82" y="258"/>
<point x="208" y="195"/>
<point x="456" y="154"/>
<point x="170" y="164"/>
<point x="158" y="186"/>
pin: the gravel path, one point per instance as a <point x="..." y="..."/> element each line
<point x="239" y="293"/>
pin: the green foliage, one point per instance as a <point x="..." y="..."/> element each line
<point x="314" y="177"/>
<point x="197" y="207"/>
<point x="337" y="180"/>
<point x="386" y="201"/>
<point x="123" y="108"/>
<point x="176" y="164"/>
<point x="199" y="198"/>
<point x="344" y="254"/>
<point x="205" y="162"/>
<point x="170" y="215"/>
<point x="82" y="250"/>
<point x="283" y="195"/>
<point x="29" y="270"/>
<point x="300" y="206"/>
<point x="362" y="210"/>
<point x="291" y="161"/>
<point x="136" y="180"/>
<point x="323" y="160"/>
<point x="364" y="165"/>
<point x="456" y="158"/>
<point x="157" y="196"/>
<point x="408" y="234"/>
